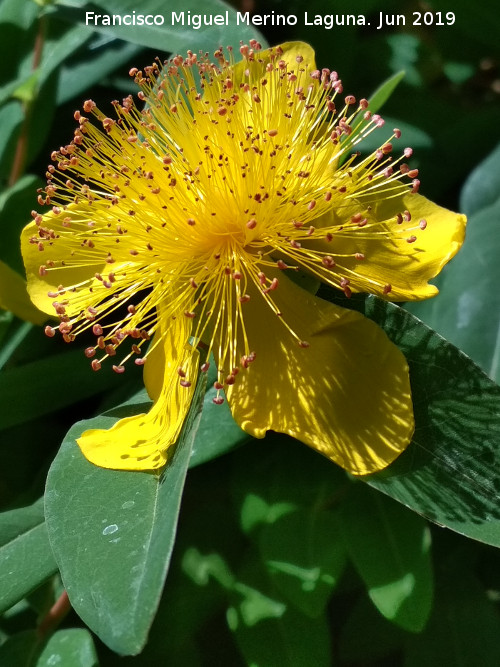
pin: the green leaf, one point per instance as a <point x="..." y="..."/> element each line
<point x="73" y="647"/>
<point x="218" y="433"/>
<point x="390" y="548"/>
<point x="269" y="482"/>
<point x="269" y="632"/>
<point x="26" y="92"/>
<point x="25" y="553"/>
<point x="449" y="473"/>
<point x="305" y="556"/>
<point x="467" y="310"/>
<point x="59" y="44"/>
<point x="20" y="650"/>
<point x="15" y="522"/>
<point x="15" y="337"/>
<point x="95" y="63"/>
<point x="43" y="396"/>
<point x="406" y="55"/>
<point x="380" y="96"/>
<point x="168" y="37"/>
<point x="11" y="118"/>
<point x="18" y="14"/>
<point x="482" y="188"/>
<point x="6" y="326"/>
<point x="410" y="136"/>
<point x="15" y="204"/>
<point x="123" y="521"/>
<point x="14" y="297"/>
<point x="464" y="626"/>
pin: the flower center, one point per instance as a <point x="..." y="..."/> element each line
<point x="188" y="207"/>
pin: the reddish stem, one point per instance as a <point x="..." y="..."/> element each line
<point x="54" y="616"/>
<point x="22" y="143"/>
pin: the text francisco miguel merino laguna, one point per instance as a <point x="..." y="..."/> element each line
<point x="197" y="21"/>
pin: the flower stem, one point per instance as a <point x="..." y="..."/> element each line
<point x="54" y="616"/>
<point x="22" y="142"/>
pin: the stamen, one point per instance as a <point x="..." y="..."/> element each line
<point x="136" y="192"/>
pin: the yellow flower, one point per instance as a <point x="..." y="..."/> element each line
<point x="182" y="223"/>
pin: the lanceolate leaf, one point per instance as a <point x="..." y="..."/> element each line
<point x="390" y="548"/>
<point x="25" y="554"/>
<point x="450" y="472"/>
<point x="45" y="396"/>
<point x="72" y="646"/>
<point x="113" y="532"/>
<point x="384" y="91"/>
<point x="173" y="34"/>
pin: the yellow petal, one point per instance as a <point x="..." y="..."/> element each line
<point x="406" y="267"/>
<point x="347" y="395"/>
<point x="14" y="297"/>
<point x="39" y="285"/>
<point x="290" y="52"/>
<point x="144" y="442"/>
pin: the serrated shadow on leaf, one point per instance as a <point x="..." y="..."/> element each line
<point x="449" y="472"/>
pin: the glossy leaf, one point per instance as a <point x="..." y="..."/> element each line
<point x="380" y="96"/>
<point x="98" y="60"/>
<point x="390" y="548"/>
<point x="449" y="473"/>
<point x="15" y="336"/>
<point x="44" y="397"/>
<point x="123" y="521"/>
<point x="168" y="37"/>
<point x="467" y="310"/>
<point x="69" y="647"/>
<point x="59" y="44"/>
<point x="6" y="320"/>
<point x="20" y="15"/>
<point x="482" y="188"/>
<point x="218" y="433"/>
<point x="25" y="553"/>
